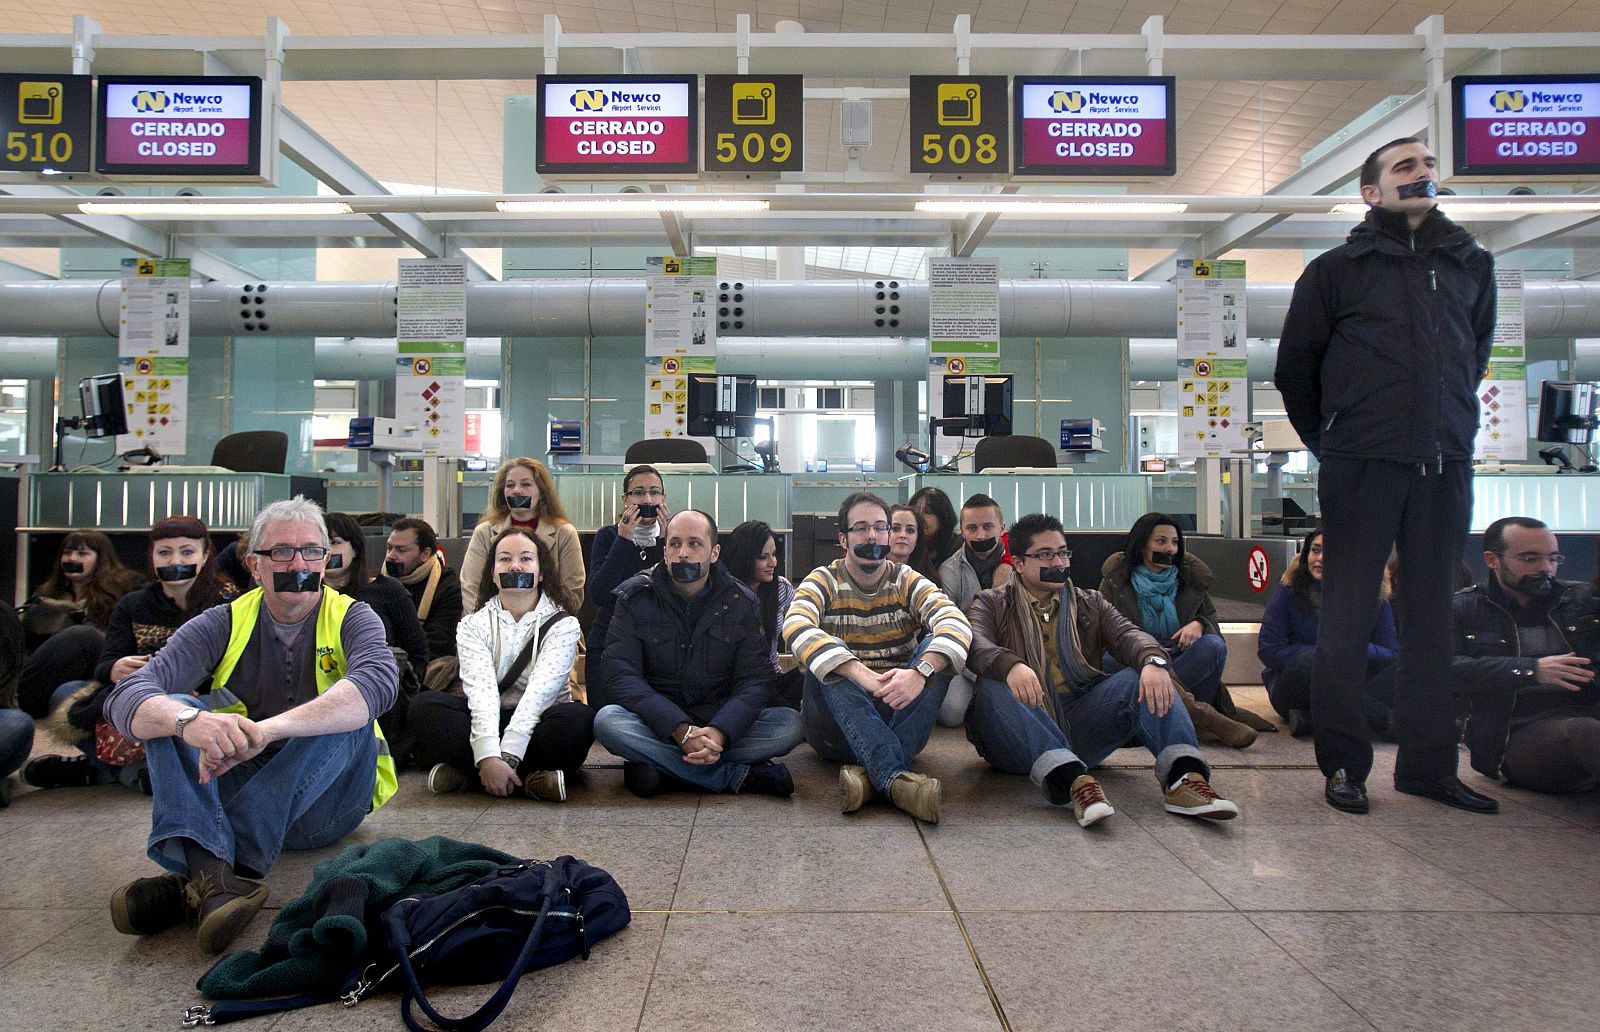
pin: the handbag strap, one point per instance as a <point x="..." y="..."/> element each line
<point x="484" y="1016"/>
<point x="526" y="655"/>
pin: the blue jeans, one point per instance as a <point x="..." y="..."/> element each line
<point x="128" y="774"/>
<point x="774" y="733"/>
<point x="311" y="793"/>
<point x="846" y="725"/>
<point x="1198" y="667"/>
<point x="1018" y="739"/>
<point x="16" y="740"/>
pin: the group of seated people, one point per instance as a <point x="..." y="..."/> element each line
<point x="268" y="693"/>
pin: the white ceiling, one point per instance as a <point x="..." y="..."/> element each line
<point x="1234" y="137"/>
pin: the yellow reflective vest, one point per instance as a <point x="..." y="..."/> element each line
<point x="245" y="611"/>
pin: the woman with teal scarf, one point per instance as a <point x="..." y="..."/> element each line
<point x="1159" y="586"/>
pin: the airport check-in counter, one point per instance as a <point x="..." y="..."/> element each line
<point x="124" y="506"/>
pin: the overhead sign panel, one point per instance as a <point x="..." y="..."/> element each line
<point x="960" y="125"/>
<point x="45" y="122"/>
<point x="1530" y="125"/>
<point x="618" y="125"/>
<point x="191" y="128"/>
<point x="755" y="123"/>
<point x="1092" y="126"/>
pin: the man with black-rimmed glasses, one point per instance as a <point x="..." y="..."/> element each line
<point x="1526" y="646"/>
<point x="278" y="748"/>
<point x="1036" y="643"/>
<point x="877" y="641"/>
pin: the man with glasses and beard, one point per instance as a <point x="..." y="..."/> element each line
<point x="877" y="641"/>
<point x="283" y="751"/>
<point x="1525" y="650"/>
<point x="1035" y="645"/>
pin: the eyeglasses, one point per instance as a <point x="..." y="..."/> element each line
<point x="869" y="528"/>
<point x="1530" y="558"/>
<point x="286" y="553"/>
<point x="1044" y="557"/>
<point x="646" y="492"/>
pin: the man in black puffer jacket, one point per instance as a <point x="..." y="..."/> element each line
<point x="689" y="674"/>
<point x="1382" y="350"/>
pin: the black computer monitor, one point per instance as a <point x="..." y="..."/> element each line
<point x="721" y="406"/>
<point x="1566" y="411"/>
<point x="104" y="412"/>
<point x="985" y="402"/>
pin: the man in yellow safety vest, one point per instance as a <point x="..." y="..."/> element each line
<point x="259" y="724"/>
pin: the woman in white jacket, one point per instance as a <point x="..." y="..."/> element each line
<point x="517" y="726"/>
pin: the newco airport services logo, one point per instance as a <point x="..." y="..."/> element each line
<point x="1509" y="100"/>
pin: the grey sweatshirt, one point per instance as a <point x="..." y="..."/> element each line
<point x="274" y="674"/>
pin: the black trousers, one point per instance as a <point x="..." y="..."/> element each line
<point x="67" y="655"/>
<point x="442" y="724"/>
<point x="1558" y="753"/>
<point x="1292" y="691"/>
<point x="1369" y="506"/>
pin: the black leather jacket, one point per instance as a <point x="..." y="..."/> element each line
<point x="1492" y="675"/>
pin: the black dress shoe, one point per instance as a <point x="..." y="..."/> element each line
<point x="1451" y="792"/>
<point x="1344" y="794"/>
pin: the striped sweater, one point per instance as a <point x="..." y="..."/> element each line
<point x="832" y="621"/>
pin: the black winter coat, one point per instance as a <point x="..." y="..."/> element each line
<point x="1385" y="342"/>
<point x="718" y="672"/>
<point x="1498" y="683"/>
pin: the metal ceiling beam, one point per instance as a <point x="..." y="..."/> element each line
<point x="306" y="147"/>
<point x="135" y="236"/>
<point x="1320" y="177"/>
<point x="1532" y="230"/>
<point x="1245" y="57"/>
<point x="977" y="226"/>
<point x="13" y="271"/>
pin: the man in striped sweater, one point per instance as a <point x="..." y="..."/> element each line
<point x="878" y="642"/>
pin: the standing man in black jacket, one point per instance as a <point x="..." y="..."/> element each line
<point x="690" y="678"/>
<point x="1382" y="350"/>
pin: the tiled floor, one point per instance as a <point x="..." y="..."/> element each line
<point x="753" y="913"/>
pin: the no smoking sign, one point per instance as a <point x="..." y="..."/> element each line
<point x="1256" y="568"/>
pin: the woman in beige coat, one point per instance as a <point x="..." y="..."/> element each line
<point x="524" y="495"/>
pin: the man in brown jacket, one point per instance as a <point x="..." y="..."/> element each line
<point x="1031" y="640"/>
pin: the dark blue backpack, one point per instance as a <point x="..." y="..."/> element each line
<point x="521" y="918"/>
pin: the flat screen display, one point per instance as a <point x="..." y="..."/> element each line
<point x="1093" y="126"/>
<point x="192" y="128"/>
<point x="618" y="125"/>
<point x="1529" y="125"/>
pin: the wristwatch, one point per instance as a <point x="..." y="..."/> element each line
<point x="1158" y="661"/>
<point x="924" y="668"/>
<point x="185" y="717"/>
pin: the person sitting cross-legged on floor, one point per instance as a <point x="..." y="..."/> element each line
<point x="878" y="642"/>
<point x="690" y="676"/>
<point x="282" y="752"/>
<point x="1042" y="708"/>
<point x="517" y="728"/>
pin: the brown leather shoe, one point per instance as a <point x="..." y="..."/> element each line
<point x="1210" y="723"/>
<point x="146" y="906"/>
<point x="222" y="908"/>
<point x="916" y="794"/>
<point x="549" y="785"/>
<point x="854" y="788"/>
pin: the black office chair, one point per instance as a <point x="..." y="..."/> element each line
<point x="664" y="449"/>
<point x="1013" y="452"/>
<point x="252" y="451"/>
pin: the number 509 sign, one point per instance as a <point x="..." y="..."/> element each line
<point x="755" y="123"/>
